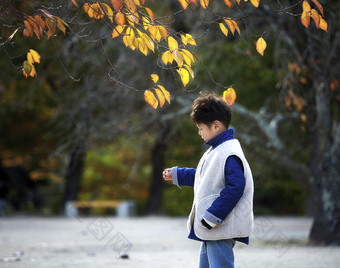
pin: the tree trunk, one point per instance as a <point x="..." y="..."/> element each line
<point x="74" y="172"/>
<point x="154" y="203"/>
<point x="326" y="225"/>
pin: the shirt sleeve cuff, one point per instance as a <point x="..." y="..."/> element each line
<point x="175" y="177"/>
<point x="211" y="219"/>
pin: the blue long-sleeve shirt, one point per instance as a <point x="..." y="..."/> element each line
<point x="229" y="196"/>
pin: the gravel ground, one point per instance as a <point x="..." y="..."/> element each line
<point x="150" y="242"/>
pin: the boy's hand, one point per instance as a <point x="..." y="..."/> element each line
<point x="167" y="174"/>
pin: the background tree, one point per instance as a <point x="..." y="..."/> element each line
<point x="305" y="65"/>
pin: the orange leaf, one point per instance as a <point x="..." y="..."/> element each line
<point x="163" y="32"/>
<point x="107" y="10"/>
<point x="75" y="3"/>
<point x="204" y="3"/>
<point x="152" y="29"/>
<point x="306" y="6"/>
<point x="229" y="96"/>
<point x="152" y="16"/>
<point x="155" y="78"/>
<point x="41" y="23"/>
<point x="160" y="96"/>
<point x="232" y="26"/>
<point x="173" y="45"/>
<point x="305" y="18"/>
<point x="29" y="28"/>
<point x="223" y="29"/>
<point x="323" y="24"/>
<point x="255" y="3"/>
<point x="150" y="98"/>
<point x="229" y="3"/>
<point x="86" y="7"/>
<point x="28" y="69"/>
<point x="130" y="5"/>
<point x="117" y="31"/>
<point x="61" y="25"/>
<point x="117" y="4"/>
<point x="316" y="2"/>
<point x="120" y="18"/>
<point x="51" y="24"/>
<point x="36" y="27"/>
<point x="165" y="92"/>
<point x="261" y="45"/>
<point x="184" y="3"/>
<point x="316" y="17"/>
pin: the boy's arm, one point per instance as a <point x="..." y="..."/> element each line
<point x="229" y="196"/>
<point x="183" y="176"/>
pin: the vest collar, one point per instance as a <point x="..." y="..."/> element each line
<point x="220" y="138"/>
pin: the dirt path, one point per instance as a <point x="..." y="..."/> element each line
<point x="150" y="242"/>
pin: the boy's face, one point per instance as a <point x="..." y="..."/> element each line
<point x="208" y="132"/>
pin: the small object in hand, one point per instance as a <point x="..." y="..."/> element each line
<point x="124" y="256"/>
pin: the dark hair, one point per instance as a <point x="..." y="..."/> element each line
<point x="208" y="107"/>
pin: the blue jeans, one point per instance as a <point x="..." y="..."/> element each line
<point x="217" y="254"/>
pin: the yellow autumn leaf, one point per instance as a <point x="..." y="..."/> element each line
<point x="255" y="3"/>
<point x="142" y="46"/>
<point x="186" y="58"/>
<point x="117" y="31"/>
<point x="163" y="31"/>
<point x="28" y="69"/>
<point x="188" y="39"/>
<point x="165" y="92"/>
<point x="150" y="98"/>
<point x="178" y="58"/>
<point x="306" y="6"/>
<point x="316" y="17"/>
<point x="184" y="3"/>
<point x="188" y="54"/>
<point x="305" y="18"/>
<point x="261" y="45"/>
<point x="30" y="58"/>
<point x="167" y="57"/>
<point x="107" y="10"/>
<point x="148" y="41"/>
<point x="223" y="29"/>
<point x="152" y="29"/>
<point x="160" y="96"/>
<point x="323" y="24"/>
<point x="204" y="3"/>
<point x="229" y="96"/>
<point x="232" y="26"/>
<point x="316" y="2"/>
<point x="154" y="78"/>
<point x="184" y="76"/>
<point x="189" y="70"/>
<point x="172" y="43"/>
<point x="35" y="56"/>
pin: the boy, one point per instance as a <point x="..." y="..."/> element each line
<point x="222" y="210"/>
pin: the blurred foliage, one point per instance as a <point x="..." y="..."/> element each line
<point x="121" y="168"/>
<point x="117" y="171"/>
